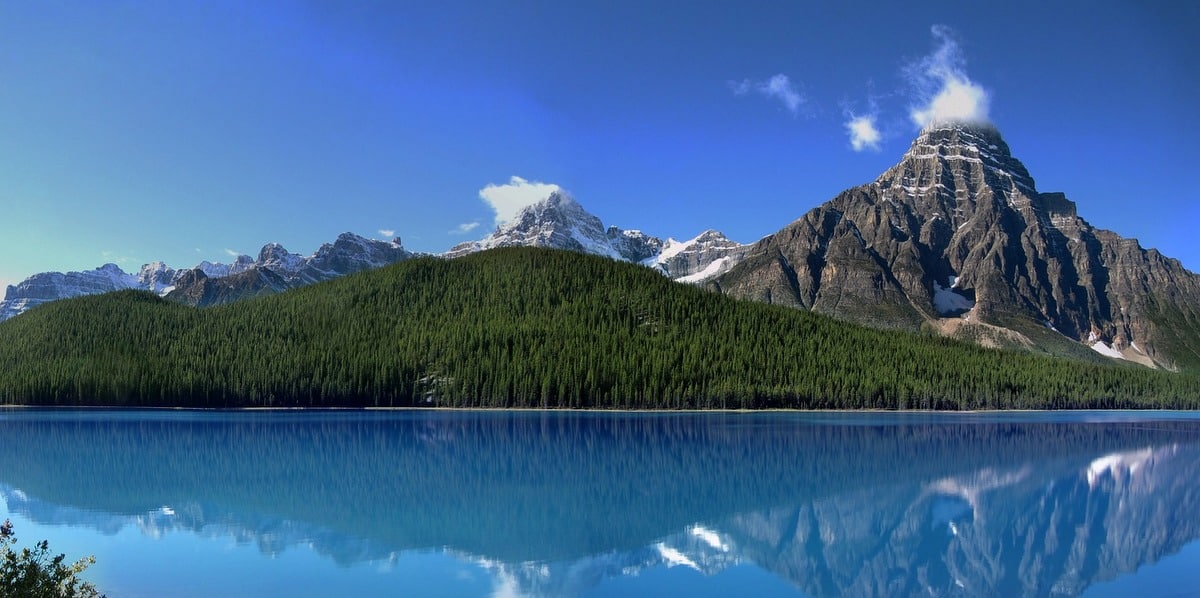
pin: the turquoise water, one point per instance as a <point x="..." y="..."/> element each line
<point x="437" y="503"/>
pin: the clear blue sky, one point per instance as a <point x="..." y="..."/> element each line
<point x="138" y="131"/>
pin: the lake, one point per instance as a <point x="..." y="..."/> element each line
<point x="441" y="503"/>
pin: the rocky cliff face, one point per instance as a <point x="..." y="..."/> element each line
<point x="194" y="287"/>
<point x="275" y="269"/>
<point x="956" y="236"/>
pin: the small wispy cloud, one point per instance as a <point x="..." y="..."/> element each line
<point x="864" y="134"/>
<point x="116" y="258"/>
<point x="944" y="91"/>
<point x="232" y="253"/>
<point x="508" y="199"/>
<point x="778" y="87"/>
<point x="387" y="232"/>
<point x="465" y="228"/>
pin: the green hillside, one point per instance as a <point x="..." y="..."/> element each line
<point x="524" y="328"/>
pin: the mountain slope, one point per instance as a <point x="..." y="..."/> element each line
<point x="957" y="237"/>
<point x="523" y="327"/>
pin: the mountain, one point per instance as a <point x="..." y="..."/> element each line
<point x="956" y="238"/>
<point x="276" y="269"/>
<point x="560" y="222"/>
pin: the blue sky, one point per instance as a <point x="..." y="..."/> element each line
<point x="182" y="131"/>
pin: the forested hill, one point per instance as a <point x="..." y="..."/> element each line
<point x="524" y="328"/>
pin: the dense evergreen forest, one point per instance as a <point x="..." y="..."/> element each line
<point x="525" y="327"/>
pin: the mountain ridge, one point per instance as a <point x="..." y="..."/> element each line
<point x="276" y="269"/>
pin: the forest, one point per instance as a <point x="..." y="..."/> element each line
<point x="525" y="327"/>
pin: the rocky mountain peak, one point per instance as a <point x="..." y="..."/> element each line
<point x="560" y="209"/>
<point x="957" y="159"/>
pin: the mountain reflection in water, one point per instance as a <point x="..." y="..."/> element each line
<point x="554" y="503"/>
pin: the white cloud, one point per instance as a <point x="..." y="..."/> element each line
<point x="387" y="232"/>
<point x="508" y="199"/>
<point x="464" y="228"/>
<point x="945" y="92"/>
<point x="863" y="132"/>
<point x="232" y="253"/>
<point x="778" y="87"/>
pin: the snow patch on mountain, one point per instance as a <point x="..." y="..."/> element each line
<point x="946" y="299"/>
<point x="1106" y="350"/>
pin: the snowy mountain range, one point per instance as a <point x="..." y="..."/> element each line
<point x="557" y="222"/>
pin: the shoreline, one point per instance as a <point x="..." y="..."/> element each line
<point x="574" y="410"/>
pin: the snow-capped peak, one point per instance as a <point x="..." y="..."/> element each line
<point x="560" y="222"/>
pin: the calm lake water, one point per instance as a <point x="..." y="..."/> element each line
<point x="610" y="504"/>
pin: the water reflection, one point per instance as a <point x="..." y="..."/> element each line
<point x="556" y="503"/>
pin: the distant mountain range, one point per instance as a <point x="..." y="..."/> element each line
<point x="276" y="269"/>
<point x="558" y="222"/>
<point x="954" y="239"/>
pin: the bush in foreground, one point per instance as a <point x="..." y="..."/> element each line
<point x="34" y="573"/>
